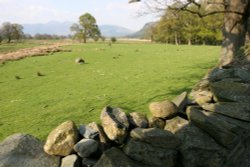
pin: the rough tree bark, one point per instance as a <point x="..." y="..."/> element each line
<point x="235" y="30"/>
<point x="248" y="32"/>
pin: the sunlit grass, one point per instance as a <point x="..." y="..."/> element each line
<point x="129" y="76"/>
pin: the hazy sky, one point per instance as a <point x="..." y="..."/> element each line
<point x="116" y="12"/>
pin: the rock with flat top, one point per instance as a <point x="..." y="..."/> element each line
<point x="219" y="129"/>
<point x="226" y="91"/>
<point x="198" y="148"/>
<point x="156" y="137"/>
<point x="235" y="110"/>
<point x="150" y="155"/>
<point x="116" y="158"/>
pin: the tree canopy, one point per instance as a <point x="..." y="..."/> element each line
<point x="184" y="27"/>
<point x="9" y="31"/>
<point x="87" y="28"/>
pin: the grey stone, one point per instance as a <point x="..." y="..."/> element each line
<point x="235" y="110"/>
<point x="88" y="132"/>
<point x="86" y="147"/>
<point x="156" y="123"/>
<point x="138" y="120"/>
<point x="203" y="97"/>
<point x="150" y="155"/>
<point x="202" y="85"/>
<point x="156" y="137"/>
<point x="23" y="150"/>
<point x="71" y="161"/>
<point x="116" y="158"/>
<point x="221" y="130"/>
<point x="240" y="127"/>
<point x="198" y="148"/>
<point x="243" y="73"/>
<point x="240" y="155"/>
<point x="79" y="60"/>
<point x="175" y="124"/>
<point x="231" y="91"/>
<point x="88" y="162"/>
<point x="115" y="124"/>
<point x="62" y="139"/>
<point x="164" y="109"/>
<point x="181" y="101"/>
<point x="218" y="74"/>
<point x="103" y="139"/>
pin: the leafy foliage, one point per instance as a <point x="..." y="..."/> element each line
<point x="11" y="31"/>
<point x="184" y="27"/>
<point x="113" y="39"/>
<point x="87" y="28"/>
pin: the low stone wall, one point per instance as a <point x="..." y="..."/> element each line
<point x="31" y="52"/>
<point x="212" y="130"/>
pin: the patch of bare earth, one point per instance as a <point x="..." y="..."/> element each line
<point x="36" y="51"/>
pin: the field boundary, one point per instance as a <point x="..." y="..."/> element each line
<point x="35" y="51"/>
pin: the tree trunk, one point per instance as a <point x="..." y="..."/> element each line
<point x="235" y="28"/>
<point x="176" y="38"/>
<point x="189" y="42"/>
<point x="248" y="32"/>
<point x="9" y="39"/>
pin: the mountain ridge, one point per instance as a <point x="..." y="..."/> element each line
<point x="63" y="28"/>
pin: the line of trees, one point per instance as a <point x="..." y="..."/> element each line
<point x="47" y="36"/>
<point x="11" y="31"/>
<point x="183" y="27"/>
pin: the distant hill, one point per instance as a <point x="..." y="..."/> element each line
<point x="145" y="32"/>
<point x="63" y="28"/>
<point x="53" y="27"/>
<point x="114" y="31"/>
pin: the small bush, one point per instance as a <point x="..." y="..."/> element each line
<point x="113" y="39"/>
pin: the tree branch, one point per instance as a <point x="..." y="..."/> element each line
<point x="184" y="8"/>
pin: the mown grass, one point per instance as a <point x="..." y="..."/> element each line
<point x="129" y="76"/>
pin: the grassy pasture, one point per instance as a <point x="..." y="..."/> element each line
<point x="129" y="76"/>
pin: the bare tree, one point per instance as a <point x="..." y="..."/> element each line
<point x="236" y="21"/>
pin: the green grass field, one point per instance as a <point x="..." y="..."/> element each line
<point x="129" y="76"/>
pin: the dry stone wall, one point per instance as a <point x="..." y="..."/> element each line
<point x="211" y="130"/>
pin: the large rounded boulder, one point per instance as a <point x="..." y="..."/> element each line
<point x="62" y="139"/>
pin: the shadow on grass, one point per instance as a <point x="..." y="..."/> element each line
<point x="202" y="66"/>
